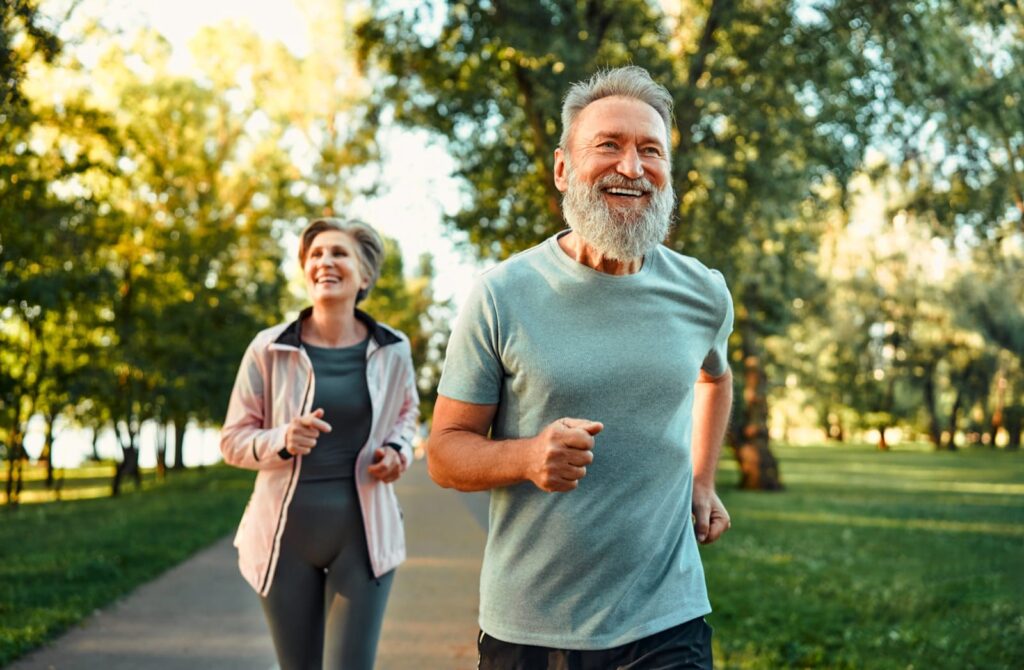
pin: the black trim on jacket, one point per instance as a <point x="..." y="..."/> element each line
<point x="292" y="335"/>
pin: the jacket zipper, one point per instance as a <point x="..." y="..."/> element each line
<point x="355" y="474"/>
<point x="278" y="531"/>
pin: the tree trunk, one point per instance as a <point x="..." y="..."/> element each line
<point x="758" y="467"/>
<point x="1014" y="434"/>
<point x="95" y="445"/>
<point x="953" y="421"/>
<point x="13" y="469"/>
<point x="934" y="432"/>
<point x="1000" y="401"/>
<point x="47" y="454"/>
<point x="129" y="465"/>
<point x="1014" y="418"/>
<point x="882" y="444"/>
<point x="16" y="456"/>
<point x="161" y="451"/>
<point x="179" y="442"/>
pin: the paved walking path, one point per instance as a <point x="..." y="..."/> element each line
<point x="202" y="614"/>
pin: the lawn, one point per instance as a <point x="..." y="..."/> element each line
<point x="873" y="560"/>
<point x="60" y="561"/>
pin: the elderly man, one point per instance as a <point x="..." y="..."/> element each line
<point x="587" y="387"/>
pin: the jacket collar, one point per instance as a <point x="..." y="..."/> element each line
<point x="292" y="335"/>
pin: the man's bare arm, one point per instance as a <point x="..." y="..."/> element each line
<point x="711" y="406"/>
<point x="460" y="454"/>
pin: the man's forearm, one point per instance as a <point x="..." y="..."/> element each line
<point x="711" y="406"/>
<point x="466" y="461"/>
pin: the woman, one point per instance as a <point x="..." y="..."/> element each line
<point x="325" y="409"/>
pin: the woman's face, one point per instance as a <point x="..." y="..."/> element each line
<point x="332" y="268"/>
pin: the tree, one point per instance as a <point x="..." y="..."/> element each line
<point x="408" y="304"/>
<point x="180" y="264"/>
<point x="991" y="301"/>
<point x="38" y="242"/>
<point x="198" y="259"/>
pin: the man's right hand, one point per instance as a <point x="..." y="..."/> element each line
<point x="561" y="454"/>
<point x="303" y="431"/>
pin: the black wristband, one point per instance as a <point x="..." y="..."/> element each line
<point x="284" y="453"/>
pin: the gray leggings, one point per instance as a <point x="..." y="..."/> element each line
<point x="324" y="608"/>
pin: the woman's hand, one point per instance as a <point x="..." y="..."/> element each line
<point x="303" y="431"/>
<point x="387" y="464"/>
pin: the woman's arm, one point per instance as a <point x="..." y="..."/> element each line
<point x="404" y="430"/>
<point x="244" y="442"/>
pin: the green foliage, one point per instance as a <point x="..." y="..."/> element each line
<point x="408" y="304"/>
<point x="880" y="560"/>
<point x="41" y="247"/>
<point x="23" y="35"/>
<point x="59" y="562"/>
<point x="141" y="212"/>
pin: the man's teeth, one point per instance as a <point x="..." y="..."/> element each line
<point x="625" y="191"/>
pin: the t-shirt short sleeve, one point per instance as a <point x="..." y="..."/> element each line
<point x="717" y="360"/>
<point x="473" y="371"/>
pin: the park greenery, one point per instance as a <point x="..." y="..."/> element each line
<point x="906" y="559"/>
<point x="141" y="220"/>
<point x="853" y="168"/>
<point x="62" y="561"/>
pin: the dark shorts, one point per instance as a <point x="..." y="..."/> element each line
<point x="687" y="645"/>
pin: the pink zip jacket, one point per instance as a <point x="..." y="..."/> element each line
<point x="274" y="385"/>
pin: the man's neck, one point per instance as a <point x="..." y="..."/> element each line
<point x="577" y="249"/>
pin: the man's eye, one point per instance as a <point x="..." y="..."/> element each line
<point x="609" y="145"/>
<point x="652" y="151"/>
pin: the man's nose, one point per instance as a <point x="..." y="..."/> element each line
<point x="630" y="165"/>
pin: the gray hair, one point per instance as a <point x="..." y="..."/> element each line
<point x="630" y="81"/>
<point x="369" y="246"/>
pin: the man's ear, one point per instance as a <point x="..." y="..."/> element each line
<point x="561" y="175"/>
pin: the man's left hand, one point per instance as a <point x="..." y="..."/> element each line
<point x="710" y="517"/>
<point x="387" y="464"/>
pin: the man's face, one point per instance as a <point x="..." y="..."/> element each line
<point x="616" y="177"/>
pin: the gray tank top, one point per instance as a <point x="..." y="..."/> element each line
<point x="342" y="392"/>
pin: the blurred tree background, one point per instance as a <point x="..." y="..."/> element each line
<point x="853" y="168"/>
<point x="143" y="214"/>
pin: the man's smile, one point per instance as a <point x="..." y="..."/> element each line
<point x="621" y="191"/>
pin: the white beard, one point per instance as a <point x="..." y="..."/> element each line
<point x="619" y="233"/>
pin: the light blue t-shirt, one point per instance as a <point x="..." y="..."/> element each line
<point x="545" y="337"/>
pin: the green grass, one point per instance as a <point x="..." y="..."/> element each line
<point x="873" y="560"/>
<point x="61" y="561"/>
